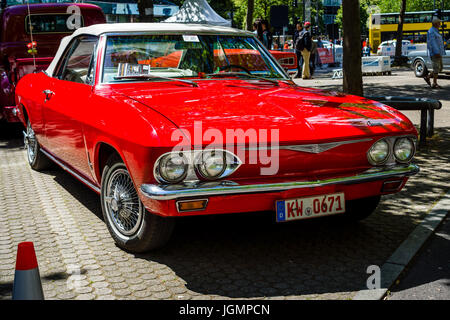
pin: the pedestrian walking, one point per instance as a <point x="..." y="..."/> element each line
<point x="266" y="34"/>
<point x="436" y="50"/>
<point x="304" y="44"/>
<point x="299" y="29"/>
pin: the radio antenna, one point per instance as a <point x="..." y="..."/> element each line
<point x="31" y="35"/>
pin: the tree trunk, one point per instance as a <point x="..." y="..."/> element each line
<point x="250" y="9"/>
<point x="145" y="8"/>
<point x="352" y="48"/>
<point x="398" y="45"/>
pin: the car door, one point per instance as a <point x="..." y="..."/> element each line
<point x="446" y="61"/>
<point x="67" y="104"/>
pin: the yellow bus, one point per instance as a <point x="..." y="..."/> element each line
<point x="383" y="27"/>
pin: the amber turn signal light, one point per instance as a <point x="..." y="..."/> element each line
<point x="191" y="205"/>
<point x="391" y="186"/>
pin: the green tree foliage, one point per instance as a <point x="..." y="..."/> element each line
<point x="363" y="16"/>
<point x="262" y="11"/>
<point x="411" y="5"/>
<point x="385" y="6"/>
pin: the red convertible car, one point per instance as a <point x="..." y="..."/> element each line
<point x="166" y="120"/>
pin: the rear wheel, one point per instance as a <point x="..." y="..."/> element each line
<point x="130" y="224"/>
<point x="37" y="160"/>
<point x="420" y="69"/>
<point x="360" y="209"/>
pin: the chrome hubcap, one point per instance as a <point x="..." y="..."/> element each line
<point x="30" y="143"/>
<point x="124" y="209"/>
<point x="419" y="67"/>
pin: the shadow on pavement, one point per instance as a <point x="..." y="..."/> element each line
<point x="245" y="256"/>
<point x="249" y="255"/>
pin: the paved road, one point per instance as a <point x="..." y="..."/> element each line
<point x="428" y="277"/>
<point x="245" y="256"/>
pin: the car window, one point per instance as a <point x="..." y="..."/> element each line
<point x="77" y="65"/>
<point x="49" y="23"/>
<point x="184" y="56"/>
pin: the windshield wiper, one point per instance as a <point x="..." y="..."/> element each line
<point x="151" y="76"/>
<point x="239" y="74"/>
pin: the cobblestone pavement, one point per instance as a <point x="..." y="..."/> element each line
<point x="221" y="257"/>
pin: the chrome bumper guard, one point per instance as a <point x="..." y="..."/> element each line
<point x="220" y="188"/>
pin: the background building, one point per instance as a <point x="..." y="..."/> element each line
<point x="330" y="9"/>
<point x="127" y="10"/>
<point x="118" y="10"/>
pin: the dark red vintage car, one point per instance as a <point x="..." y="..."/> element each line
<point x="49" y="24"/>
<point x="167" y="120"/>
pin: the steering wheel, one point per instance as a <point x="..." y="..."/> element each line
<point x="234" y="66"/>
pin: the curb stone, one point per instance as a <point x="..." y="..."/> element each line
<point x="398" y="261"/>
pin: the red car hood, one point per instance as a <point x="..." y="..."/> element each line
<point x="300" y="114"/>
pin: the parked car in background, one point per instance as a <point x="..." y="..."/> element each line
<point x="420" y="62"/>
<point x="287" y="59"/>
<point x="167" y="120"/>
<point x="391" y="44"/>
<point x="337" y="50"/>
<point x="49" y="22"/>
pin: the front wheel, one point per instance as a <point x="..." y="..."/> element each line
<point x="360" y="209"/>
<point x="36" y="159"/>
<point x="420" y="69"/>
<point x="132" y="227"/>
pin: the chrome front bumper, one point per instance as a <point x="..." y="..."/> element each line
<point x="219" y="188"/>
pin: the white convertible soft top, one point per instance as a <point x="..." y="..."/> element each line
<point x="181" y="28"/>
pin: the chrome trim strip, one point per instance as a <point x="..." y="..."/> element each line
<point x="312" y="148"/>
<point x="170" y="192"/>
<point x="76" y="175"/>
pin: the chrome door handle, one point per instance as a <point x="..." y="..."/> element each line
<point x="48" y="94"/>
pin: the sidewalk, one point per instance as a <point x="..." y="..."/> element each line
<point x="426" y="276"/>
<point x="402" y="82"/>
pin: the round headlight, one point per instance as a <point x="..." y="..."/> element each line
<point x="404" y="149"/>
<point x="379" y="152"/>
<point x="173" y="167"/>
<point x="211" y="164"/>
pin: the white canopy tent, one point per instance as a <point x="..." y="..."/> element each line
<point x="198" y="11"/>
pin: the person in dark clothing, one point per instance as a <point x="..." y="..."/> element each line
<point x="267" y="35"/>
<point x="305" y="45"/>
<point x="299" y="28"/>
<point x="257" y="29"/>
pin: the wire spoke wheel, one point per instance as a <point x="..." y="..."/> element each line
<point x="131" y="225"/>
<point x="123" y="207"/>
<point x="31" y="144"/>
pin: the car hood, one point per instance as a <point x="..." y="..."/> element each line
<point x="299" y="114"/>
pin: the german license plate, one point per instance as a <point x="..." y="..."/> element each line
<point x="310" y="207"/>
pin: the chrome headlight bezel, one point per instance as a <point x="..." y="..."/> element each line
<point x="385" y="159"/>
<point x="413" y="149"/>
<point x="159" y="168"/>
<point x="231" y="164"/>
<point x="201" y="163"/>
<point x="194" y="165"/>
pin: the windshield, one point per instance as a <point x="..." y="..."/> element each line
<point x="129" y="57"/>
